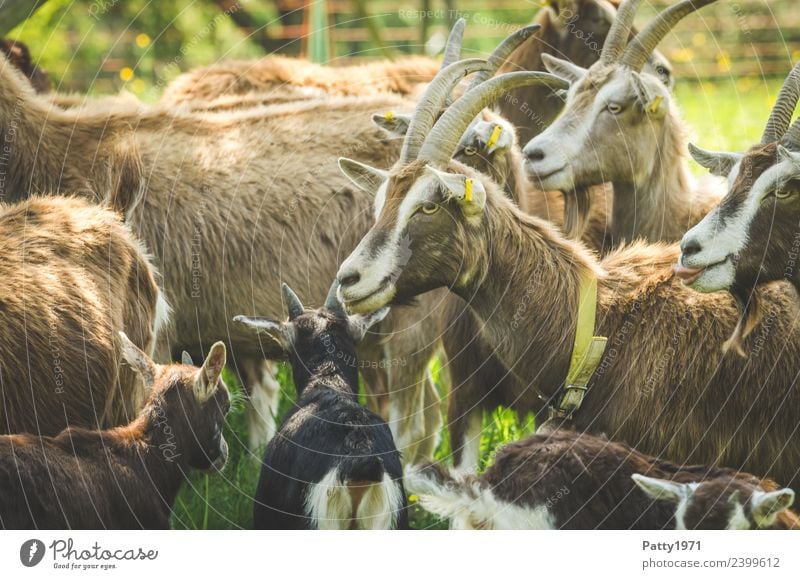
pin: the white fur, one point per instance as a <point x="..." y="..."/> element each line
<point x="470" y="453"/>
<point x="163" y="313"/>
<point x="264" y="397"/>
<point x="469" y="505"/>
<point x="330" y="505"/>
<point x="738" y="520"/>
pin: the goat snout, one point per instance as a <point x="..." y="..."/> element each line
<point x="348" y="276"/>
<point x="535" y="155"/>
<point x="690" y="246"/>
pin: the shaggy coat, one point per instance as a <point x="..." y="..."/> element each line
<point x="658" y="385"/>
<point x="214" y="185"/>
<point x="126" y="477"/>
<point x="280" y="79"/>
<point x="73" y="276"/>
<point x="566" y="480"/>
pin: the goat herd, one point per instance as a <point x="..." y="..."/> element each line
<point x="547" y="274"/>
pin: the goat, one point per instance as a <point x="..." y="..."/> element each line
<point x="751" y="237"/>
<point x="333" y="464"/>
<point x="126" y="477"/>
<point x="657" y="385"/>
<point x="19" y="55"/>
<point x="279" y="79"/>
<point x="618" y="125"/>
<point x="221" y="170"/>
<point x="73" y="275"/>
<point x="575" y="30"/>
<point x="567" y="480"/>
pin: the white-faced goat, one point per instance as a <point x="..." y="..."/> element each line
<point x="619" y="125"/>
<point x="333" y="464"/>
<point x="127" y="477"/>
<point x="658" y="382"/>
<point x="752" y="236"/>
<point x="566" y="480"/>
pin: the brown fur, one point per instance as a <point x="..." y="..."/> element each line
<point x="274" y="79"/>
<point x="230" y="200"/>
<point x="124" y="478"/>
<point x="658" y="386"/>
<point x="585" y="483"/>
<point x="73" y="276"/>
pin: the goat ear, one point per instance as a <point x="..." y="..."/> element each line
<point x="660" y="489"/>
<point x="363" y="176"/>
<point x="208" y="378"/>
<point x="138" y="360"/>
<point x="564" y="69"/>
<point x="186" y="359"/>
<point x="395" y="124"/>
<point x="652" y="100"/>
<point x="785" y="154"/>
<point x="719" y="164"/>
<point x="765" y="506"/>
<point x="469" y="192"/>
<point x="495" y="135"/>
<point x="358" y="324"/>
<point x="281" y="332"/>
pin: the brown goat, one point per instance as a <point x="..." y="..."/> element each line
<point x="127" y="477"/>
<point x="279" y="79"/>
<point x="231" y="197"/>
<point x="657" y="386"/>
<point x="74" y="275"/>
<point x="566" y="480"/>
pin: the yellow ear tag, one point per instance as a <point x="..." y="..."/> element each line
<point x="498" y="130"/>
<point x="389" y="116"/>
<point x="468" y="190"/>
<point x="655" y="104"/>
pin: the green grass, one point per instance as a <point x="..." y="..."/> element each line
<point x="728" y="116"/>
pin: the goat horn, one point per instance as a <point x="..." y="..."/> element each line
<point x="502" y="52"/>
<point x="438" y="148"/>
<point x="431" y="103"/>
<point x="620" y="32"/>
<point x="332" y="302"/>
<point x="782" y="112"/>
<point x="642" y="46"/>
<point x="293" y="303"/>
<point x="452" y="50"/>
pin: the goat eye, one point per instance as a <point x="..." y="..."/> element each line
<point x="783" y="193"/>
<point x="430" y="208"/>
<point x="470" y="150"/>
<point x="614" y="108"/>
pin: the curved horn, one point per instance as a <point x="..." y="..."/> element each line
<point x="332" y="302"/>
<point x="502" y="52"/>
<point x="782" y="112"/>
<point x="445" y="135"/>
<point x="620" y="32"/>
<point x="431" y="103"/>
<point x="293" y="303"/>
<point x="452" y="50"/>
<point x="642" y="46"/>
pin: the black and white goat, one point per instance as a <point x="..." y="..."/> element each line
<point x="567" y="480"/>
<point x="333" y="464"/>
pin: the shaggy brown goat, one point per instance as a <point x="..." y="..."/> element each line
<point x="658" y="384"/>
<point x="566" y="480"/>
<point x="280" y="79"/>
<point x="74" y="275"/>
<point x="127" y="477"/>
<point x="575" y="30"/>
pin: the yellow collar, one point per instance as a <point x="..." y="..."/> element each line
<point x="587" y="351"/>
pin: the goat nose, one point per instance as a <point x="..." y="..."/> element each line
<point x="349" y="277"/>
<point x="690" y="247"/>
<point x="535" y="155"/>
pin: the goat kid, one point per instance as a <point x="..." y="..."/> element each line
<point x="333" y="464"/>
<point x="127" y="477"/>
<point x="567" y="480"/>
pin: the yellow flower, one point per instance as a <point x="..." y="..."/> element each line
<point x="699" y="39"/>
<point x="126" y="73"/>
<point x="142" y="40"/>
<point x="723" y="62"/>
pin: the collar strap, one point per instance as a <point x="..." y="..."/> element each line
<point x="587" y="351"/>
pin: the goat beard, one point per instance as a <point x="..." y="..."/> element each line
<point x="576" y="212"/>
<point x="749" y="304"/>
